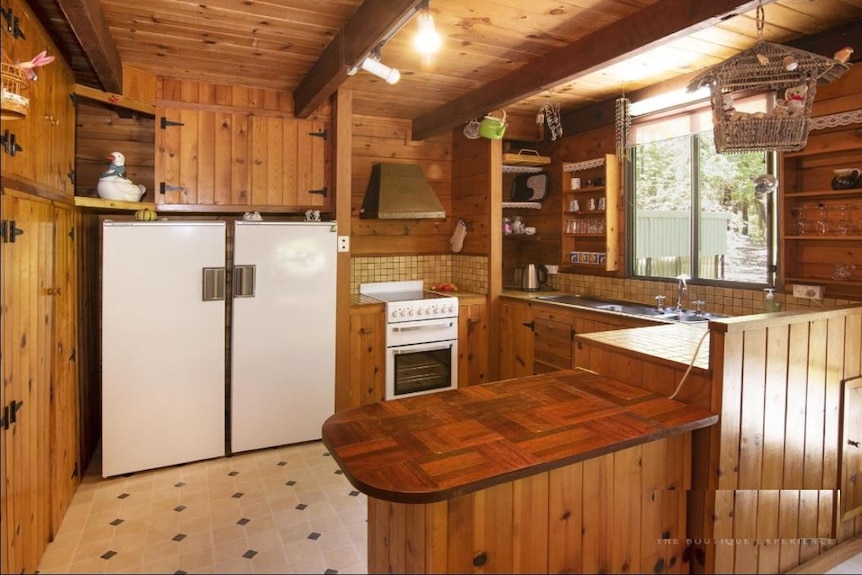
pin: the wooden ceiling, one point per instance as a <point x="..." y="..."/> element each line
<point x="514" y="54"/>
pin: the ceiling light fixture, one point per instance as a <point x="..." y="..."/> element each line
<point x="373" y="65"/>
<point x="427" y="40"/>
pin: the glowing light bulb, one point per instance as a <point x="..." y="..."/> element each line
<point x="427" y="40"/>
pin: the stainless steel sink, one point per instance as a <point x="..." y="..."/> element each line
<point x="628" y="308"/>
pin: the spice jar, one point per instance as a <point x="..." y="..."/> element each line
<point x="517" y="225"/>
<point x="507" y="226"/>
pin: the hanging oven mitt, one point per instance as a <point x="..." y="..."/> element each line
<point x="457" y="239"/>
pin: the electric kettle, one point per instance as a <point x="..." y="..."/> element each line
<point x="533" y="277"/>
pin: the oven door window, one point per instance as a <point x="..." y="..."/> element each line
<point x="421" y="370"/>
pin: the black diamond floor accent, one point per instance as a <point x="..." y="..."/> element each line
<point x="326" y="454"/>
<point x="116" y="521"/>
<point x="108" y="554"/>
<point x="180" y="484"/>
<point x="291" y="482"/>
<point x="179" y="508"/>
<point x="314" y="536"/>
<point x="353" y="493"/>
<point x="331" y="571"/>
<point x="180" y="572"/>
<point x="249" y="554"/>
<point x="233" y="473"/>
<point x="282" y="463"/>
<point x="179" y="536"/>
<point x="339" y="472"/>
<point x="243" y="521"/>
<point x="123" y="495"/>
<point x="301" y="506"/>
<point x="238" y="494"/>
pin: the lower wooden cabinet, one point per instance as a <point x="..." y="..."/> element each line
<point x="367" y="354"/>
<point x="472" y="341"/>
<point x="851" y="450"/>
<point x="538" y="338"/>
<point x="40" y="463"/>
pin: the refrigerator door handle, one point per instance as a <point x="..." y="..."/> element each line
<point x="213" y="284"/>
<point x="244" y="281"/>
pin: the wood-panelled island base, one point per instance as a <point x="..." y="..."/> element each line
<point x="560" y="472"/>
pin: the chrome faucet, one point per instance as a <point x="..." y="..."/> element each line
<point x="681" y="288"/>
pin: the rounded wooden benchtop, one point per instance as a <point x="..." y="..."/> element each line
<point x="434" y="447"/>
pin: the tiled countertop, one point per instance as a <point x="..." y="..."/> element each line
<point x="674" y="342"/>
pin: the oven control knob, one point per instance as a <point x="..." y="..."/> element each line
<point x="419" y="311"/>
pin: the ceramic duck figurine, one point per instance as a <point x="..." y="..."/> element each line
<point x="113" y="184"/>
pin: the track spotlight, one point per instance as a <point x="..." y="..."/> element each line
<point x="381" y="70"/>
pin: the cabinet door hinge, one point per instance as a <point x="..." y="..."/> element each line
<point x="72" y="357"/>
<point x="572" y="334"/>
<point x="321" y="134"/>
<point x="531" y="325"/>
<point x="163" y="187"/>
<point x="10" y="146"/>
<point x="13" y="23"/>
<point x="9" y="231"/>
<point x="71" y="176"/>
<point x="167" y="123"/>
<point x="75" y="471"/>
<point x="321" y="191"/>
<point x="71" y="234"/>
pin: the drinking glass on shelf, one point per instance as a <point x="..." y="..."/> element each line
<point x="822" y="222"/>
<point x="844" y="226"/>
<point x="843" y="271"/>
<point x="800" y="221"/>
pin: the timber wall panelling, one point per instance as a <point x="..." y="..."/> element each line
<point x="231" y="148"/>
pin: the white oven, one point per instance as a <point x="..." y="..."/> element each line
<point x="421" y="338"/>
<point x="421" y="357"/>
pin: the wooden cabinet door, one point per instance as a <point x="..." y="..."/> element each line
<point x="851" y="450"/>
<point x="26" y="368"/>
<point x="553" y="332"/>
<point x="64" y="384"/>
<point x="367" y="355"/>
<point x="288" y="163"/>
<point x="472" y="343"/>
<point x="202" y="158"/>
<point x="516" y="340"/>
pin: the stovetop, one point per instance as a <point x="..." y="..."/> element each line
<point x="408" y="300"/>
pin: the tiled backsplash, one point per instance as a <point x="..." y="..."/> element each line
<point x="470" y="273"/>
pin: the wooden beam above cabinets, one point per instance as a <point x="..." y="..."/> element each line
<point x="90" y="27"/>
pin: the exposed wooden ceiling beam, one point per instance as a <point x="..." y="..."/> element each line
<point x="602" y="113"/>
<point x="90" y="27"/>
<point x="374" y="22"/>
<point x="645" y="29"/>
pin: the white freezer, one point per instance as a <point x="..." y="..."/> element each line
<point x="283" y="336"/>
<point x="163" y="364"/>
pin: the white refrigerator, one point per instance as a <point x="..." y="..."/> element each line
<point x="165" y="368"/>
<point x="283" y="332"/>
<point x="163" y="346"/>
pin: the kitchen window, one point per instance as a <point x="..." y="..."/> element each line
<point x="695" y="211"/>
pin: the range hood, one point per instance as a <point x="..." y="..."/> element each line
<point x="400" y="191"/>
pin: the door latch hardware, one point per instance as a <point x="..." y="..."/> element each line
<point x="8" y="230"/>
<point x="853" y="443"/>
<point x="321" y="191"/>
<point x="163" y="187"/>
<point x="165" y="123"/>
<point x="321" y="134"/>
<point x="530" y="324"/>
<point x="10" y="146"/>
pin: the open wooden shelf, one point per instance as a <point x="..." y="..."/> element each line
<point x="118" y="205"/>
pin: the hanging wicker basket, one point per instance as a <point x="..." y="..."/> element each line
<point x="14" y="104"/>
<point x="772" y="68"/>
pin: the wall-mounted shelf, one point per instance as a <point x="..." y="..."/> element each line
<point x="100" y="204"/>
<point x="592" y="231"/>
<point x="526" y="205"/>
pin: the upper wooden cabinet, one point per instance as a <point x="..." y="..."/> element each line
<point x="240" y="161"/>
<point x="38" y="149"/>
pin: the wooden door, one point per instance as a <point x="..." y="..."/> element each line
<point x="202" y="158"/>
<point x="472" y="342"/>
<point x="851" y="450"/>
<point x="65" y="462"/>
<point x="288" y="163"/>
<point x="516" y="340"/>
<point x="26" y="368"/>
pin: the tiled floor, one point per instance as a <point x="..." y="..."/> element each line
<point x="281" y="510"/>
<point x="851" y="566"/>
